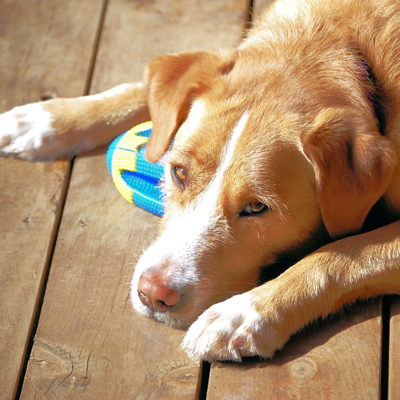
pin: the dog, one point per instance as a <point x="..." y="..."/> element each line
<point x="285" y="155"/>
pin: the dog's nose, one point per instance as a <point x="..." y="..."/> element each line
<point x="155" y="295"/>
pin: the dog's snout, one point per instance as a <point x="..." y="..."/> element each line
<point x="156" y="295"/>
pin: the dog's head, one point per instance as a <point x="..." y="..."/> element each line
<point x="263" y="163"/>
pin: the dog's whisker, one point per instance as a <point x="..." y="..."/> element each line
<point x="123" y="284"/>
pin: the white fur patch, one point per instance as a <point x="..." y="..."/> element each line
<point x="228" y="330"/>
<point x="184" y="238"/>
<point x="23" y="131"/>
<point x="231" y="146"/>
<point x="287" y="10"/>
<point x="201" y="216"/>
<point x="193" y="120"/>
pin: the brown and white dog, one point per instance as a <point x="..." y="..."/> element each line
<point x="286" y="148"/>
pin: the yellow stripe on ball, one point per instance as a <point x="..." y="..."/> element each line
<point x="124" y="157"/>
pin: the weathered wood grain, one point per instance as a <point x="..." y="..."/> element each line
<point x="30" y="205"/>
<point x="90" y="343"/>
<point x="45" y="49"/>
<point x="335" y="359"/>
<point x="394" y="350"/>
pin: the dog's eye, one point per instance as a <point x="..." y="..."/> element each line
<point x="179" y="174"/>
<point x="255" y="207"/>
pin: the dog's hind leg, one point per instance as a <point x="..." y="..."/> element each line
<point x="63" y="127"/>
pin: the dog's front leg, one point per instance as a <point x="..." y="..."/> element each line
<point x="262" y="320"/>
<point x="63" y="127"/>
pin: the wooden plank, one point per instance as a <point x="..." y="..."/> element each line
<point x="90" y="343"/>
<point x="45" y="48"/>
<point x="30" y="201"/>
<point x="394" y="349"/>
<point x="335" y="359"/>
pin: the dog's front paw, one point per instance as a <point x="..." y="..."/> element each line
<point x="229" y="331"/>
<point x="25" y="132"/>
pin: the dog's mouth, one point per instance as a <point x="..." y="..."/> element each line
<point x="180" y="315"/>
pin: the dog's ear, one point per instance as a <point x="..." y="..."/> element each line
<point x="353" y="165"/>
<point x="172" y="82"/>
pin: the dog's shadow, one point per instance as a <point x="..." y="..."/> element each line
<point x="350" y="338"/>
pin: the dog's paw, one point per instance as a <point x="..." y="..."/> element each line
<point x="229" y="331"/>
<point x="26" y="133"/>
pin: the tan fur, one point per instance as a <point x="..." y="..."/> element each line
<point x="321" y="149"/>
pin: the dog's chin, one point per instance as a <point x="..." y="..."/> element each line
<point x="179" y="319"/>
<point x="173" y="321"/>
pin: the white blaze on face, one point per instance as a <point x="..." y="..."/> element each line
<point x="185" y="234"/>
<point x="196" y="115"/>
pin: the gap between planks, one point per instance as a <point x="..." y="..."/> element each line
<point x="42" y="287"/>
<point x="53" y="239"/>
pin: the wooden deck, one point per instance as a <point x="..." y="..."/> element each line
<point x="69" y="241"/>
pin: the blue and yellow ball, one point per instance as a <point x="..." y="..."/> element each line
<point x="135" y="178"/>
